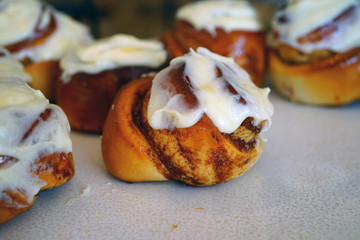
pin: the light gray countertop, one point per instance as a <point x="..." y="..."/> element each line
<point x="306" y="185"/>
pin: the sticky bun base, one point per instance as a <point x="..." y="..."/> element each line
<point x="199" y="155"/>
<point x="330" y="81"/>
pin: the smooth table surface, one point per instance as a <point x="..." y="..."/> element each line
<point x="306" y="185"/>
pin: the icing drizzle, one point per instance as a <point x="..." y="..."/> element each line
<point x="223" y="91"/>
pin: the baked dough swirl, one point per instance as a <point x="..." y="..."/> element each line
<point x="35" y="146"/>
<point x="315" y="51"/>
<point x="174" y="126"/>
<point x="38" y="36"/>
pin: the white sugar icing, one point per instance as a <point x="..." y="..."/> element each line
<point x="168" y="110"/>
<point x="18" y="20"/>
<point x="120" y="50"/>
<point x="20" y="106"/>
<point x="227" y="15"/>
<point x="12" y="68"/>
<point x="304" y="16"/>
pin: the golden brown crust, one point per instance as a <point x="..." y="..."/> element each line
<point x="86" y="98"/>
<point x="54" y="170"/>
<point x="9" y="212"/>
<point x="199" y="155"/>
<point x="247" y="48"/>
<point x="126" y="153"/>
<point x="44" y="73"/>
<point x="330" y="81"/>
<point x="44" y="76"/>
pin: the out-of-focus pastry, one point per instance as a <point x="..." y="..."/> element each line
<point x="38" y="36"/>
<point x="92" y="75"/>
<point x="228" y="28"/>
<point x="35" y="147"/>
<point x="201" y="121"/>
<point x="315" y="56"/>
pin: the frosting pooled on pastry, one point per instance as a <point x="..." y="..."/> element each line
<point x="227" y="15"/>
<point x="18" y="19"/>
<point x="117" y="51"/>
<point x="301" y="17"/>
<point x="20" y="107"/>
<point x="12" y="68"/>
<point x="21" y="20"/>
<point x="218" y="87"/>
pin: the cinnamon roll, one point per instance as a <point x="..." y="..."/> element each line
<point x="229" y="28"/>
<point x="38" y="36"/>
<point x="35" y="147"/>
<point x="315" y="51"/>
<point x="92" y="75"/>
<point x="200" y="121"/>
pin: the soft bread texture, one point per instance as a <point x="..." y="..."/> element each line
<point x="44" y="76"/>
<point x="126" y="152"/>
<point x="53" y="170"/>
<point x="331" y="81"/>
<point x="199" y="155"/>
<point x="247" y="48"/>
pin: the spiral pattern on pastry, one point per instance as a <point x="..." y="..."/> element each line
<point x="171" y="127"/>
<point x="35" y="146"/>
<point x="315" y="55"/>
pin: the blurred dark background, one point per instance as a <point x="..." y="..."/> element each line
<point x="142" y="18"/>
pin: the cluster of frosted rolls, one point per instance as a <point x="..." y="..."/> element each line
<point x="92" y="75"/>
<point x="38" y="36"/>
<point x="315" y="51"/>
<point x="200" y="121"/>
<point x="35" y="147"/>
<point x="228" y="28"/>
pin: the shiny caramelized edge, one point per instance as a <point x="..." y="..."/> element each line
<point x="253" y="53"/>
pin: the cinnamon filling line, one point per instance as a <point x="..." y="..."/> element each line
<point x="39" y="36"/>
